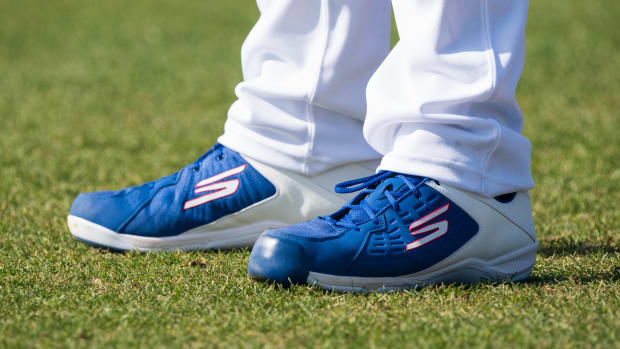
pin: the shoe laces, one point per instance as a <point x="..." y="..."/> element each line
<point x="360" y="205"/>
<point x="217" y="151"/>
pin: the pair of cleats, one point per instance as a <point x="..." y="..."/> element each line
<point x="398" y="232"/>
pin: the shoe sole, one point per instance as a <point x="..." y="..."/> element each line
<point x="102" y="237"/>
<point x="512" y="267"/>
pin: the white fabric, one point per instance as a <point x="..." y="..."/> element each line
<point x="320" y="89"/>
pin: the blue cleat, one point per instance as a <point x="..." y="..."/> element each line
<point x="402" y="232"/>
<point x="223" y="200"/>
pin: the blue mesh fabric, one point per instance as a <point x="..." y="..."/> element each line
<point x="315" y="229"/>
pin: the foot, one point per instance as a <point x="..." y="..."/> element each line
<point x="402" y="232"/>
<point x="223" y="200"/>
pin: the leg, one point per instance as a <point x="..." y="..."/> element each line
<point x="306" y="65"/>
<point x="442" y="109"/>
<point x="442" y="105"/>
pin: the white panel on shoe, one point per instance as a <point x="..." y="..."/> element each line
<point x="519" y="211"/>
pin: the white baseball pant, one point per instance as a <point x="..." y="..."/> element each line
<point x="321" y="88"/>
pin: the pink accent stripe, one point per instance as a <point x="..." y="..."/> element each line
<point x="430" y="216"/>
<point x="220" y="176"/>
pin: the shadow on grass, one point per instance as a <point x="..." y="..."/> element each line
<point x="612" y="274"/>
<point x="565" y="247"/>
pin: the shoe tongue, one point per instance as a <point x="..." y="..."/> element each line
<point x="376" y="199"/>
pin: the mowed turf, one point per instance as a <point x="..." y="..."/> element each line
<point x="104" y="94"/>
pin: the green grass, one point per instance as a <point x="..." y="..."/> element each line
<point x="106" y="94"/>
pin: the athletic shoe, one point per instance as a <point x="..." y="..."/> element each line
<point x="223" y="200"/>
<point x="402" y="232"/>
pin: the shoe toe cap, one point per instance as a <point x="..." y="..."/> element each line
<point x="279" y="260"/>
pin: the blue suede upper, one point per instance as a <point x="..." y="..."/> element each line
<point x="156" y="209"/>
<point x="369" y="235"/>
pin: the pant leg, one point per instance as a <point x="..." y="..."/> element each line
<point x="442" y="104"/>
<point x="306" y="65"/>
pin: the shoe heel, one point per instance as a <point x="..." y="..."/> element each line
<point x="515" y="266"/>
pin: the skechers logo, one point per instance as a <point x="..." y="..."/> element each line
<point x="439" y="228"/>
<point x="216" y="189"/>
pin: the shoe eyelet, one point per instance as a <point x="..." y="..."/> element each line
<point x="195" y="169"/>
<point x="219" y="157"/>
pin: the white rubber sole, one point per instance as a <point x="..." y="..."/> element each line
<point x="514" y="266"/>
<point x="236" y="237"/>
